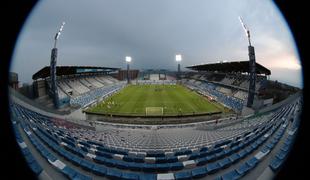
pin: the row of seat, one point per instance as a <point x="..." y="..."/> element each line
<point x="92" y="95"/>
<point x="112" y="163"/>
<point x="31" y="161"/>
<point x="58" y="164"/>
<point x="279" y="159"/>
<point x="209" y="89"/>
<point x="136" y="166"/>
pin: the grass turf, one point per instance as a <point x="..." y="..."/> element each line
<point x="174" y="99"/>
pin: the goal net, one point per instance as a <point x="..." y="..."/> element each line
<point x="154" y="111"/>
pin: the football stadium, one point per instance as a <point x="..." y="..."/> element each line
<point x="144" y="127"/>
<point x="216" y="120"/>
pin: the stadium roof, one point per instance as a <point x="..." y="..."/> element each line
<point x="230" y="67"/>
<point x="71" y="70"/>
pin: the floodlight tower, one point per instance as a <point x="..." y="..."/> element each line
<point x="128" y="60"/>
<point x="252" y="67"/>
<point x="178" y="58"/>
<point x="53" y="89"/>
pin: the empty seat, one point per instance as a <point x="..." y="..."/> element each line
<point x="99" y="170"/>
<point x="129" y="176"/>
<point x="213" y="167"/>
<point x="199" y="172"/>
<point x="183" y="175"/>
<point x="234" y="157"/>
<point x="243" y="169"/>
<point x="113" y="173"/>
<point x="231" y="175"/>
<point x="224" y="163"/>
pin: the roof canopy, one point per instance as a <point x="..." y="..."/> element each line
<point x="71" y="70"/>
<point x="230" y="67"/>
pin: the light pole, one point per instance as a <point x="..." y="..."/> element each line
<point x="53" y="90"/>
<point x="178" y="58"/>
<point x="252" y="64"/>
<point x="128" y="60"/>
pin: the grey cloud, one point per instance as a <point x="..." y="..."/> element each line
<point x="103" y="32"/>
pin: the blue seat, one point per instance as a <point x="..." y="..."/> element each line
<point x="69" y="172"/>
<point x="183" y="175"/>
<point x="80" y="176"/>
<point x="194" y="156"/>
<point x="163" y="167"/>
<point x="129" y="176"/>
<point x="99" y="160"/>
<point x="99" y="170"/>
<point x="103" y="154"/>
<point x="201" y="161"/>
<point x="143" y="176"/>
<point x="243" y="169"/>
<point x="242" y="153"/>
<point x="216" y="150"/>
<point x="211" y="158"/>
<point x="29" y="158"/>
<point x="183" y="152"/>
<point x="254" y="145"/>
<point x="155" y="154"/>
<point x="252" y="162"/>
<point x="149" y="167"/>
<point x="234" y="158"/>
<point x="172" y="159"/>
<point x="176" y="166"/>
<point x="204" y="149"/>
<point x="213" y="167"/>
<point x="241" y="145"/>
<point x="86" y="165"/>
<point x="35" y="167"/>
<point x="161" y="160"/>
<point x="128" y="158"/>
<point x="281" y="154"/>
<point x="110" y="162"/>
<point x="275" y="163"/>
<point x="270" y="145"/>
<point x="113" y="173"/>
<point x="135" y="166"/>
<point x="224" y="163"/>
<point x="231" y="175"/>
<point x="204" y="153"/>
<point x="138" y="159"/>
<point x="121" y="164"/>
<point x="228" y="152"/>
<point x="285" y="147"/>
<point x="220" y="155"/>
<point x="199" y="172"/>
<point x="249" y="150"/>
<point x="235" y="148"/>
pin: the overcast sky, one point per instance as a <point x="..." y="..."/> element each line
<point x="103" y="32"/>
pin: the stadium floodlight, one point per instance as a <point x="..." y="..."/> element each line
<point x="58" y="33"/>
<point x="178" y="57"/>
<point x="246" y="30"/>
<point x="128" y="59"/>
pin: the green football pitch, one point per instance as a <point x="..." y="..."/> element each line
<point x="156" y="100"/>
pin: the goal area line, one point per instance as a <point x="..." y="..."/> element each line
<point x="154" y="111"/>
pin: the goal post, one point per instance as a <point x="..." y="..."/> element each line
<point x="154" y="111"/>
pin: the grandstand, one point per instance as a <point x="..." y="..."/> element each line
<point x="224" y="149"/>
<point x="226" y="146"/>
<point x="229" y="82"/>
<point x="78" y="85"/>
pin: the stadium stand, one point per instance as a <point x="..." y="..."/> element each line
<point x="227" y="151"/>
<point x="211" y="90"/>
<point x="89" y="97"/>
